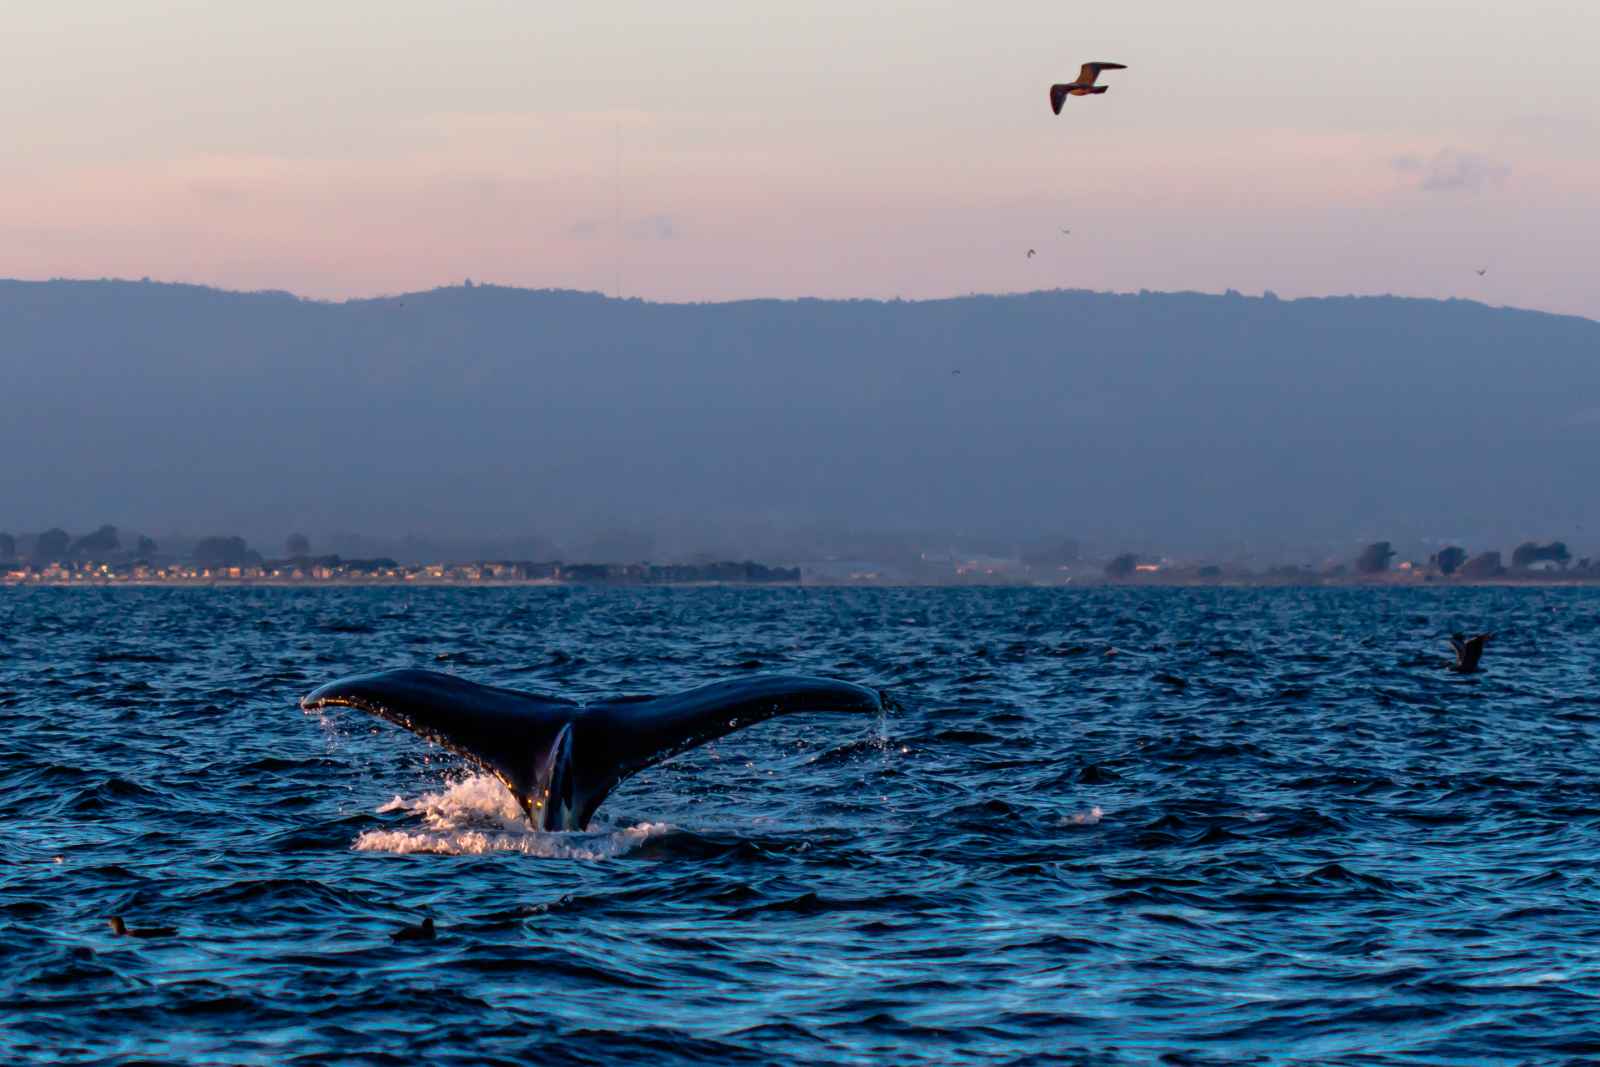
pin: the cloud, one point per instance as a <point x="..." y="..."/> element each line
<point x="653" y="228"/>
<point x="648" y="228"/>
<point x="1449" y="170"/>
<point x="512" y="122"/>
<point x="1552" y="127"/>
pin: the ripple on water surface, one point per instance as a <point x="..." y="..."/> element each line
<point x="1101" y="826"/>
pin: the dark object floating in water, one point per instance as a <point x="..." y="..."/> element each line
<point x="122" y="929"/>
<point x="423" y="931"/>
<point x="559" y="758"/>
<point x="1084" y="86"/>
<point x="1469" y="650"/>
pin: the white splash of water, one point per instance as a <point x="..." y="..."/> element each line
<point x="478" y="815"/>
<point x="478" y="800"/>
<point x="1083" y="818"/>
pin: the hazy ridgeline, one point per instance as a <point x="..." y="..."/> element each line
<point x="556" y="421"/>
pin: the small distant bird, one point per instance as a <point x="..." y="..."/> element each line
<point x="1066" y="231"/>
<point x="1031" y="253"/>
<point x="1469" y="650"/>
<point x="955" y="372"/>
<point x="1482" y="272"/>
<point x="423" y="931"/>
<point x="122" y="929"/>
<point x="1084" y="86"/>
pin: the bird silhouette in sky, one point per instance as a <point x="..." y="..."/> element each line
<point x="1083" y="86"/>
<point x="1482" y="272"/>
<point x="1031" y="253"/>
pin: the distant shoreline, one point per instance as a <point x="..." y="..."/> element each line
<point x="1342" y="582"/>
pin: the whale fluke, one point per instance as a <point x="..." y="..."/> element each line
<point x="560" y="759"/>
<point x="1469" y="650"/>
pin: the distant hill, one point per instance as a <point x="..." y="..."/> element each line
<point x="1168" y="421"/>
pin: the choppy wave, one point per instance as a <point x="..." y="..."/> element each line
<point x="1269" y="828"/>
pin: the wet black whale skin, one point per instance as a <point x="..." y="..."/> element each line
<point x="561" y="758"/>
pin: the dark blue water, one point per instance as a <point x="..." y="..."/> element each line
<point x="1103" y="827"/>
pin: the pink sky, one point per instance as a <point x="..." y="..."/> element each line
<point x="814" y="152"/>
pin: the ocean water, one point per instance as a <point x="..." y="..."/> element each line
<point x="1102" y="827"/>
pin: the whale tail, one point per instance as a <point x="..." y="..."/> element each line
<point x="561" y="759"/>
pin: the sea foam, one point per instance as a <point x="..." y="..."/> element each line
<point x="478" y="815"/>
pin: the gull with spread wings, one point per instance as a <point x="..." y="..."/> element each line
<point x="1084" y="86"/>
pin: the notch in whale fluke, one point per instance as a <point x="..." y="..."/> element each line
<point x="560" y="759"/>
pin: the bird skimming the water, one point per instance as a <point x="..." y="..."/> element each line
<point x="122" y="929"/>
<point x="1469" y="650"/>
<point x="1084" y="86"/>
<point x="423" y="931"/>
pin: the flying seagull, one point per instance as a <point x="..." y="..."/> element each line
<point x="1066" y="231"/>
<point x="1469" y="650"/>
<point x="1084" y="86"/>
<point x="1031" y="253"/>
<point x="1482" y="272"/>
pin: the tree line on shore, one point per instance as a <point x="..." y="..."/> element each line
<point x="1378" y="558"/>
<point x="107" y="544"/>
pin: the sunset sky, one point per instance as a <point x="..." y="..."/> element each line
<point x="358" y="148"/>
